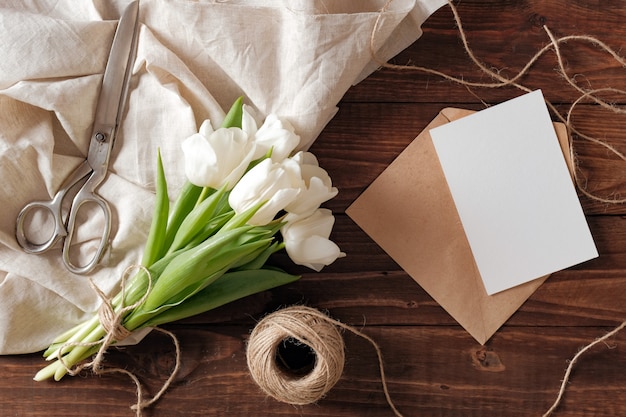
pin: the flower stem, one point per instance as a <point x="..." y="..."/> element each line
<point x="78" y="353"/>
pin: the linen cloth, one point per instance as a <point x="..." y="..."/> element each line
<point x="194" y="58"/>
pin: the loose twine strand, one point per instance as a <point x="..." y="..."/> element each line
<point x="501" y="81"/>
<point x="573" y="361"/>
<point x="315" y="329"/>
<point x="112" y="323"/>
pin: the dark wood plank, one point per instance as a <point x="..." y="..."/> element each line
<point x="504" y="36"/>
<point x="431" y="371"/>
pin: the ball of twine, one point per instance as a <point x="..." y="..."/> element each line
<point x="300" y="325"/>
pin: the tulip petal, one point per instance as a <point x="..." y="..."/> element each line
<point x="219" y="158"/>
<point x="314" y="252"/>
<point x="200" y="159"/>
<point x="307" y="240"/>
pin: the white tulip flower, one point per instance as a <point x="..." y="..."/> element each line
<point x="274" y="184"/>
<point x="214" y="158"/>
<point x="307" y="240"/>
<point x="318" y="185"/>
<point x="275" y="133"/>
<point x="278" y="135"/>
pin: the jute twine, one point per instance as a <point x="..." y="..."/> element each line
<point x="573" y="361"/>
<point x="585" y="94"/>
<point x="502" y="81"/>
<point x="112" y="323"/>
<point x="314" y="329"/>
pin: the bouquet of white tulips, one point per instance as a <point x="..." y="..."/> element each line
<point x="246" y="198"/>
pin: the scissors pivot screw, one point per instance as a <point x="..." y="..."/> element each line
<point x="100" y="137"/>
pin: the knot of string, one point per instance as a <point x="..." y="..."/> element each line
<point x="111" y="321"/>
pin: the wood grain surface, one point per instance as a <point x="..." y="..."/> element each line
<point x="434" y="368"/>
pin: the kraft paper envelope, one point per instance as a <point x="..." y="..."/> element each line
<point x="409" y="211"/>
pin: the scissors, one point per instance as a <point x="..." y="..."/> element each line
<point x="109" y="110"/>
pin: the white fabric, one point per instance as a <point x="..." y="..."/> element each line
<point x="293" y="58"/>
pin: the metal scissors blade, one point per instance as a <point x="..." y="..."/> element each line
<point x="112" y="100"/>
<point x="109" y="111"/>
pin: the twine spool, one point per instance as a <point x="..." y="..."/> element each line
<point x="302" y="329"/>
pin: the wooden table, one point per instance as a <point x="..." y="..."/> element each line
<point x="434" y="367"/>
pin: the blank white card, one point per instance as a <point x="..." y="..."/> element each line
<point x="513" y="192"/>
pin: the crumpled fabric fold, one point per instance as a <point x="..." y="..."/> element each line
<point x="194" y="58"/>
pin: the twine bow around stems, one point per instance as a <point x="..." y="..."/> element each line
<point x="112" y="322"/>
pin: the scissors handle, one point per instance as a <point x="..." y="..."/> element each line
<point x="65" y="229"/>
<point x="85" y="195"/>
<point x="54" y="208"/>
